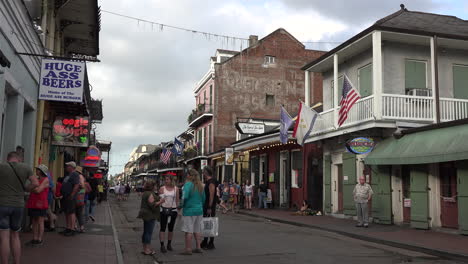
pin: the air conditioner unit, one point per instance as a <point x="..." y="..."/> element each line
<point x="419" y="92"/>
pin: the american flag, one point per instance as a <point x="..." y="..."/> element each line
<point x="350" y="96"/>
<point x="165" y="156"/>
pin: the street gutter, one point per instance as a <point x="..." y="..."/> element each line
<point x="118" y="250"/>
<point x="429" y="251"/>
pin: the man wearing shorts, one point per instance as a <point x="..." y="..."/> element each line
<point x="70" y="188"/>
<point x="12" y="188"/>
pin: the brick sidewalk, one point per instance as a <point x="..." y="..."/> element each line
<point x="427" y="241"/>
<point x="94" y="246"/>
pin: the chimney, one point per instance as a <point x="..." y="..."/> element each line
<point x="253" y="39"/>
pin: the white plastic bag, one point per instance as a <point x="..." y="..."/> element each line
<point x="209" y="227"/>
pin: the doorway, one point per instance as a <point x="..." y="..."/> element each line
<point x="406" y="193"/>
<point x="339" y="188"/>
<point x="283" y="191"/>
<point x="448" y="199"/>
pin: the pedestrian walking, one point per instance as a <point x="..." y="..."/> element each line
<point x="149" y="213"/>
<point x="233" y="195"/>
<point x="362" y="194"/>
<point x="209" y="207"/>
<point x="91" y="201"/>
<point x="12" y="188"/>
<point x="262" y="195"/>
<point x="100" y="192"/>
<point x="192" y="204"/>
<point x="127" y="191"/>
<point x="70" y="188"/>
<point x="81" y="201"/>
<point x="58" y="195"/>
<point x="37" y="205"/>
<point x="170" y="193"/>
<point x="225" y="197"/>
<point x="52" y="218"/>
<point x="248" y="192"/>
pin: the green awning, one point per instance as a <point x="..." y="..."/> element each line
<point x="431" y="146"/>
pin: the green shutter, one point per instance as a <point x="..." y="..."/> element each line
<point x="349" y="181"/>
<point x="327" y="183"/>
<point x="462" y="189"/>
<point x="415" y="74"/>
<point x="365" y="80"/>
<point x="382" y="199"/>
<point x="419" y="197"/>
<point x="460" y="82"/>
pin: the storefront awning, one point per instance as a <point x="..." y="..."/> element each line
<point x="431" y="146"/>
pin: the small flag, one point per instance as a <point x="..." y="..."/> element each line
<point x="178" y="147"/>
<point x="165" y="156"/>
<point x="304" y="123"/>
<point x="286" y="122"/>
<point x="350" y="96"/>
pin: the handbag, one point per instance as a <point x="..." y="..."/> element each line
<point x="209" y="227"/>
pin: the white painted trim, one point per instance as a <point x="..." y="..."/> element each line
<point x="397" y="194"/>
<point x="377" y="81"/>
<point x="335" y="89"/>
<point x="434" y="194"/>
<point x="203" y="80"/>
<point x="433" y="77"/>
<point x="198" y="118"/>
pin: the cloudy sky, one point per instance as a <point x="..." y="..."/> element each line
<point x="147" y="74"/>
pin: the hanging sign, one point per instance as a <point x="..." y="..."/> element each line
<point x="229" y="156"/>
<point x="250" y="128"/>
<point x="203" y="163"/>
<point x="360" y="145"/>
<point x="62" y="80"/>
<point x="71" y="131"/>
<point x="92" y="158"/>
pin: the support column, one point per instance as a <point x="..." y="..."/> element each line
<point x="377" y="73"/>
<point x="14" y="124"/>
<point x="307" y="88"/>
<point x="335" y="90"/>
<point x="28" y="136"/>
<point x="434" y="80"/>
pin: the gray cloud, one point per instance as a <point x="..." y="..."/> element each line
<point x="358" y="12"/>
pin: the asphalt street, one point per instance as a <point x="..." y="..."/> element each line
<point x="246" y="239"/>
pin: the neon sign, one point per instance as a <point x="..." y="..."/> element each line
<point x="92" y="158"/>
<point x="71" y="131"/>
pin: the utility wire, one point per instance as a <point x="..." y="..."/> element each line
<point x="207" y="34"/>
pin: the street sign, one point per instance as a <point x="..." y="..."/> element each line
<point x="251" y="128"/>
<point x="360" y="145"/>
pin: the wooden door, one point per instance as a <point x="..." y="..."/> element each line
<point x="340" y="188"/>
<point x="406" y="195"/>
<point x="448" y="199"/>
<point x="419" y="197"/>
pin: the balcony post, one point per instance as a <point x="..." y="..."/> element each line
<point x="434" y="80"/>
<point x="335" y="90"/>
<point x="307" y="88"/>
<point x="377" y="73"/>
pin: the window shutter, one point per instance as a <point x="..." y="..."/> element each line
<point x="365" y="80"/>
<point x="415" y="74"/>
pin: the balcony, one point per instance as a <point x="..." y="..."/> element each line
<point x="394" y="107"/>
<point x="200" y="115"/>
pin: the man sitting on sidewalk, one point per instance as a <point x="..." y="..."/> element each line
<point x="12" y="189"/>
<point x="362" y="194"/>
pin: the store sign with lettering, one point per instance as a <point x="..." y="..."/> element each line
<point x="92" y="158"/>
<point x="62" y="80"/>
<point x="251" y="128"/>
<point x="360" y="145"/>
<point x="71" y="131"/>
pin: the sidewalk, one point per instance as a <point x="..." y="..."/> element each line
<point x="426" y="241"/>
<point x="94" y="246"/>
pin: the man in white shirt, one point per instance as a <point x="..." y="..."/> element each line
<point x="362" y="194"/>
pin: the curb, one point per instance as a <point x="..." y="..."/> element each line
<point x="118" y="250"/>
<point x="429" y="251"/>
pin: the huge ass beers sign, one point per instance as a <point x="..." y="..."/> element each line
<point x="62" y="80"/>
<point x="71" y="131"/>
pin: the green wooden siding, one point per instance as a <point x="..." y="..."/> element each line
<point x="419" y="197"/>
<point x="365" y="80"/>
<point x="415" y="74"/>
<point x="462" y="189"/>
<point x="382" y="199"/>
<point x="460" y="81"/>
<point x="349" y="171"/>
<point x="327" y="183"/>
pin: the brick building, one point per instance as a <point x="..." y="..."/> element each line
<point x="252" y="83"/>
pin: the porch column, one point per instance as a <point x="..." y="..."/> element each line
<point x="307" y="88"/>
<point x="434" y="80"/>
<point x="377" y="73"/>
<point x="335" y="90"/>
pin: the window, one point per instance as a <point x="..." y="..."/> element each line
<point x="270" y="100"/>
<point x="460" y="81"/>
<point x="209" y="139"/>
<point x="415" y="75"/>
<point x="269" y="60"/>
<point x="211" y="96"/>
<point x="365" y="80"/>
<point x="340" y="90"/>
<point x="296" y="170"/>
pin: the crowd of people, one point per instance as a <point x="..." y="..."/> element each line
<point x="72" y="194"/>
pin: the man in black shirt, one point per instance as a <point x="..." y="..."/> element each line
<point x="262" y="195"/>
<point x="209" y="208"/>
